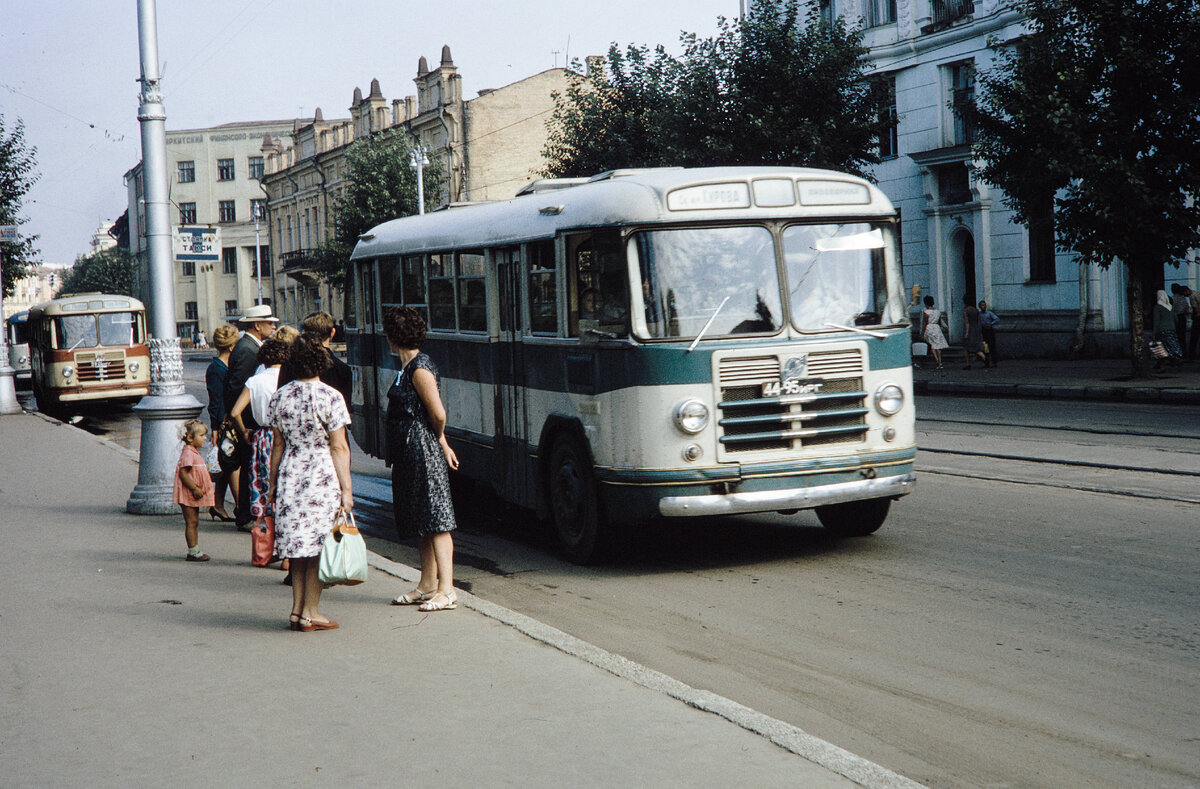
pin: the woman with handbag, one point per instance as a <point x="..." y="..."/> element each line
<point x="223" y="340"/>
<point x="1164" y="331"/>
<point x="421" y="458"/>
<point x="310" y="474"/>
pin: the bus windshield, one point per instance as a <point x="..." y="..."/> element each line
<point x="80" y="331"/>
<point x="835" y="275"/>
<point x="691" y="276"/>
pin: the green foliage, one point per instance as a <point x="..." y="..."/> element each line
<point x="1099" y="105"/>
<point x="770" y="89"/>
<point x="381" y="184"/>
<point x="17" y="177"/>
<point x="107" y="271"/>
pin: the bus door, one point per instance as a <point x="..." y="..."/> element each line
<point x="512" y="452"/>
<point x="368" y="431"/>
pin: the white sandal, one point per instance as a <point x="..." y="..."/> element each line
<point x="413" y="597"/>
<point x="448" y="602"/>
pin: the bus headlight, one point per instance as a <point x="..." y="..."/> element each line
<point x="889" y="399"/>
<point x="134" y="367"/>
<point x="691" y="416"/>
<point x="68" y="371"/>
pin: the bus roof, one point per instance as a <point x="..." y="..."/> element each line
<point x="624" y="197"/>
<point x="86" y="302"/>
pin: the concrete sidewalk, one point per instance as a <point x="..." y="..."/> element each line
<point x="125" y="666"/>
<point x="1087" y="379"/>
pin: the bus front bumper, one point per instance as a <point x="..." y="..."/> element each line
<point x="789" y="499"/>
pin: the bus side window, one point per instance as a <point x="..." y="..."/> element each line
<point x="597" y="273"/>
<point x="543" y="291"/>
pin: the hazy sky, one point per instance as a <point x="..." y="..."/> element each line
<point x="69" y="70"/>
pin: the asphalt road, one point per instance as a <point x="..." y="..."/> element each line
<point x="1026" y="618"/>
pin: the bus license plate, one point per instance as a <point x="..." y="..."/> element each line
<point x="792" y="386"/>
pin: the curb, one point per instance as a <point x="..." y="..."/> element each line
<point x="1136" y="394"/>
<point x="791" y="738"/>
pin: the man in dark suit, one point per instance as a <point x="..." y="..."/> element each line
<point x="337" y="374"/>
<point x="257" y="324"/>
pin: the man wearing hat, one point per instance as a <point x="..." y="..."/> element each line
<point x="257" y="325"/>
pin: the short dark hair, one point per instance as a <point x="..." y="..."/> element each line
<point x="929" y="301"/>
<point x="307" y="356"/>
<point x="319" y="323"/>
<point x="404" y="326"/>
<point x="272" y="352"/>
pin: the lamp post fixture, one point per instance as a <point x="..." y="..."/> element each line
<point x="418" y="161"/>
<point x="257" y="252"/>
<point x="168" y="406"/>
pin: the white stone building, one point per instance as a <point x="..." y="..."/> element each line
<point x="214" y="182"/>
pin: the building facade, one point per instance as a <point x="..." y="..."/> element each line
<point x="958" y="236"/>
<point x="489" y="147"/>
<point x="215" y="182"/>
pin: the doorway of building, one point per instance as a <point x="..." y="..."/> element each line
<point x="962" y="279"/>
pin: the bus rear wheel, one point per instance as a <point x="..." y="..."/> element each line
<point x="854" y="518"/>
<point x="574" y="505"/>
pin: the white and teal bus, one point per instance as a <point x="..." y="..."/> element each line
<point x="657" y="343"/>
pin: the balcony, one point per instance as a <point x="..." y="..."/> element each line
<point x="297" y="261"/>
<point x="947" y="12"/>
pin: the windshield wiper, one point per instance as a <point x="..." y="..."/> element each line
<point x="711" y="318"/>
<point x="877" y="334"/>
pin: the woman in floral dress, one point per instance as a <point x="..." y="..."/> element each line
<point x="420" y="459"/>
<point x="310" y="474"/>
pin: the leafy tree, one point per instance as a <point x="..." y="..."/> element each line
<point x="773" y="88"/>
<point x="381" y="184"/>
<point x="17" y="177"/>
<point x="107" y="271"/>
<point x="1097" y="106"/>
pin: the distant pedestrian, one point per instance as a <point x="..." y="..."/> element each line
<point x="224" y="338"/>
<point x="249" y="416"/>
<point x="258" y="324"/>
<point x="987" y="322"/>
<point x="931" y="331"/>
<point x="421" y="460"/>
<point x="201" y="341"/>
<point x="310" y="474"/>
<point x="193" y="485"/>
<point x="1194" y="339"/>
<point x="1179" y="311"/>
<point x="1164" y="330"/>
<point x="972" y="334"/>
<point x="338" y="374"/>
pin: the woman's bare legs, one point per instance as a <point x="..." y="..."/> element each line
<point x="442" y="546"/>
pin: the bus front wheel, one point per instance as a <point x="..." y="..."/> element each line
<point x="854" y="518"/>
<point x="573" y="501"/>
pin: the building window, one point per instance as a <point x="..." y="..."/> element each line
<point x="825" y="9"/>
<point x="225" y="171"/>
<point x="187" y="213"/>
<point x="188" y="267"/>
<point x="263" y="261"/>
<point x="231" y="307"/>
<point x="191" y="311"/>
<point x="186" y="172"/>
<point x="226" y="212"/>
<point x="228" y="260"/>
<point x="884" y="88"/>
<point x="1041" y="241"/>
<point x="254" y="167"/>
<point x="258" y="208"/>
<point x="962" y="96"/>
<point x="880" y="12"/>
<point x="954" y="184"/>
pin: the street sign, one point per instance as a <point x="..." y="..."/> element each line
<point x="198" y="244"/>
<point x="8" y="232"/>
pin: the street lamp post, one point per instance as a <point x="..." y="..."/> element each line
<point x="8" y="389"/>
<point x="418" y="161"/>
<point x="168" y="406"/>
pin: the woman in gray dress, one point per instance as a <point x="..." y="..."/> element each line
<point x="972" y="334"/>
<point x="421" y="459"/>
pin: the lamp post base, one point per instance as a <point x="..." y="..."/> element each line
<point x="163" y="412"/>
<point x="8" y="391"/>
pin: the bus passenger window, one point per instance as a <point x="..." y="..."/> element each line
<point x="543" y="292"/>
<point x="441" y="292"/>
<point x="390" y="291"/>
<point x="472" y="292"/>
<point x="598" y="301"/>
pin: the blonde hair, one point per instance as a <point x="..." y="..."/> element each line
<point x="224" y="337"/>
<point x="286" y="334"/>
<point x="191" y="428"/>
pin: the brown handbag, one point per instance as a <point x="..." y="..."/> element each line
<point x="262" y="541"/>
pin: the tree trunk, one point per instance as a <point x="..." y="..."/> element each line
<point x="1139" y="355"/>
<point x="1076" y="350"/>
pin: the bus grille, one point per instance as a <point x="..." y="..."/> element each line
<point x="750" y="422"/>
<point x="100" y="366"/>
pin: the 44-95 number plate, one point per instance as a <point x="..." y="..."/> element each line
<point x="792" y="386"/>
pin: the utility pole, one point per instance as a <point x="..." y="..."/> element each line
<point x="168" y="406"/>
<point x="8" y="390"/>
<point x="418" y="161"/>
<point x="257" y="252"/>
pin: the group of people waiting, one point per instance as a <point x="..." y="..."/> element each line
<point x="979" y="333"/>
<point x="1172" y="315"/>
<point x="282" y="399"/>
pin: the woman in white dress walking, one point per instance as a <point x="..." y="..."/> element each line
<point x="931" y="330"/>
